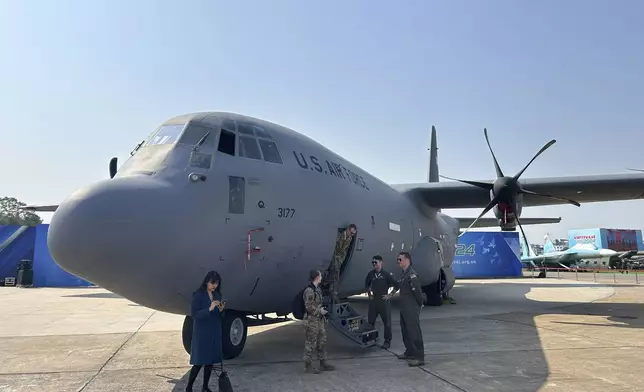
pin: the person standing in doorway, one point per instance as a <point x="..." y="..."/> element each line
<point x="205" y="349"/>
<point x="411" y="302"/>
<point x="377" y="283"/>
<point x="339" y="255"/>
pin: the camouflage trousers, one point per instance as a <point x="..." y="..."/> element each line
<point x="314" y="338"/>
<point x="336" y="264"/>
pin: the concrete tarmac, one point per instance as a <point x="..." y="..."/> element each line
<point x="502" y="335"/>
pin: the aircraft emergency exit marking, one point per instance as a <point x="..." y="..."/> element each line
<point x="331" y="168"/>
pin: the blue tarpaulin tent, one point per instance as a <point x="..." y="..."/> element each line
<point x="31" y="244"/>
<point x="483" y="254"/>
<point x="22" y="247"/>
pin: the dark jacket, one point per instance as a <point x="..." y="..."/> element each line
<point x="411" y="293"/>
<point x="206" y="330"/>
<point x="380" y="282"/>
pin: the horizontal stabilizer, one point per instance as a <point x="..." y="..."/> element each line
<point x="493" y="222"/>
<point x="51" y="208"/>
<point x="628" y="254"/>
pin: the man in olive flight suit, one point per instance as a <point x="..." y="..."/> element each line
<point x="377" y="283"/>
<point x="339" y="254"/>
<point x="411" y="302"/>
<point x="314" y="325"/>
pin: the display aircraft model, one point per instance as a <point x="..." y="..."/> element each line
<point x="263" y="204"/>
<point x="572" y="255"/>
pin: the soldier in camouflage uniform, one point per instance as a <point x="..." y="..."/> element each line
<point x="339" y="254"/>
<point x="314" y="325"/>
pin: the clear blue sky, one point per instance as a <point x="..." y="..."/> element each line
<point x="82" y="81"/>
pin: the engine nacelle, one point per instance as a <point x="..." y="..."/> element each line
<point x="506" y="213"/>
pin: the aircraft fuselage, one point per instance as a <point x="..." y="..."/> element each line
<point x="172" y="213"/>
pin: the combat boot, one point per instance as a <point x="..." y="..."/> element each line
<point x="325" y="366"/>
<point x="416" y="362"/>
<point x="308" y="368"/>
<point x="404" y="355"/>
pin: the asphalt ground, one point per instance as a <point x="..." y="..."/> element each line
<point x="501" y="335"/>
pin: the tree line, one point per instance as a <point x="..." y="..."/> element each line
<point x="12" y="214"/>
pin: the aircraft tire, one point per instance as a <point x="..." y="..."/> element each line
<point x="433" y="295"/>
<point x="186" y="334"/>
<point x="435" y="292"/>
<point x="234" y="333"/>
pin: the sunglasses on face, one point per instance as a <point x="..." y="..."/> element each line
<point x="399" y="259"/>
<point x="374" y="262"/>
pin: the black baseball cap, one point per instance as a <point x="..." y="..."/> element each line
<point x="377" y="257"/>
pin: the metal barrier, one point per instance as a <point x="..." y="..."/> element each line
<point x="628" y="276"/>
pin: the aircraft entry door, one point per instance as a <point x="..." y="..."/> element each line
<point x="257" y="219"/>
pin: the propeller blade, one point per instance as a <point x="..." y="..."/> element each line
<point x="527" y="244"/>
<point x="489" y="206"/>
<point x="637" y="170"/>
<point x="527" y="192"/>
<point x="544" y="148"/>
<point x="499" y="172"/>
<point x="113" y="163"/>
<point x="483" y="185"/>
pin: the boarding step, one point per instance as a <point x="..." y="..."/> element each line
<point x="344" y="318"/>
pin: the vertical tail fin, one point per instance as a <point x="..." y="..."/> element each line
<point x="433" y="158"/>
<point x="525" y="252"/>
<point x="548" y="246"/>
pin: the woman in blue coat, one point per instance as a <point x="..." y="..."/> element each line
<point x="206" y="309"/>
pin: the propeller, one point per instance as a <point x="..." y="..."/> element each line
<point x="505" y="189"/>
<point x="113" y="163"/>
<point x="637" y="170"/>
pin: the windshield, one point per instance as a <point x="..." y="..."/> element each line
<point x="195" y="133"/>
<point x="166" y="134"/>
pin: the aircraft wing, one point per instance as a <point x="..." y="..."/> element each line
<point x="628" y="254"/>
<point x="493" y="222"/>
<point x="50" y="208"/>
<point x="584" y="189"/>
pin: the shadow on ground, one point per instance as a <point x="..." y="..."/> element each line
<point x="107" y="295"/>
<point x="495" y="338"/>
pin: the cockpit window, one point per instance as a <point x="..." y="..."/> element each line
<point x="200" y="160"/>
<point x="227" y="142"/>
<point x="245" y="129"/>
<point x="194" y="133"/>
<point x="228" y="125"/>
<point x="261" y="132"/>
<point x="269" y="149"/>
<point x="166" y="134"/>
<point x="250" y="140"/>
<point x="248" y="148"/>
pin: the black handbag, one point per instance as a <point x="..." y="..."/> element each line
<point x="224" y="381"/>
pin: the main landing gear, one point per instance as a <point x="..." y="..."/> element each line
<point x="435" y="292"/>
<point x="234" y="330"/>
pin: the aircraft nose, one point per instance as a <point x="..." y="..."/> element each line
<point x="100" y="231"/>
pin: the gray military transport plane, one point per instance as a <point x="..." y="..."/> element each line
<point x="263" y="205"/>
